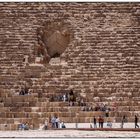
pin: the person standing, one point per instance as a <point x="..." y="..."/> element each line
<point x="123" y="120"/>
<point x="53" y="121"/>
<point x="64" y="98"/>
<point x="22" y="91"/>
<point x="94" y="121"/>
<point x="109" y="123"/>
<point x="136" y="122"/>
<point x="102" y="122"/>
<point x="99" y="121"/>
<point x="57" y="121"/>
<point x="107" y="112"/>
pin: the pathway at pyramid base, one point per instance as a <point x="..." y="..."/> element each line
<point x="68" y="134"/>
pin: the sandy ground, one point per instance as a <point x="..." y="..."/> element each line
<point x="73" y="133"/>
<point x="67" y="134"/>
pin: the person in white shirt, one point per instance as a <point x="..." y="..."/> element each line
<point x="64" y="98"/>
<point x="57" y="121"/>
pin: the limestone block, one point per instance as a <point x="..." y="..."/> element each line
<point x="87" y="120"/>
<point x="27" y="109"/>
<point x="63" y="109"/>
<point x="32" y="103"/>
<point x="74" y="109"/>
<point x="14" y="127"/>
<point x="10" y="121"/>
<point x="2" y="115"/>
<point x="66" y="119"/>
<point x="1" y="104"/>
<point x="2" y="121"/>
<point x="80" y="120"/>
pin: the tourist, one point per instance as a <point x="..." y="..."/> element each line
<point x="53" y="119"/>
<point x="103" y="108"/>
<point x="52" y="98"/>
<point x="71" y="98"/>
<point x="67" y="96"/>
<point x="64" y="98"/>
<point x="83" y="108"/>
<point x="62" y="125"/>
<point x="94" y="121"/>
<point x="21" y="126"/>
<point x="22" y="92"/>
<point x="97" y="107"/>
<point x="90" y="108"/>
<point x="78" y="100"/>
<point x="26" y="90"/>
<point x="71" y="95"/>
<point x="82" y="102"/>
<point x="46" y="125"/>
<point x="71" y="103"/>
<point x="136" y="122"/>
<point x="101" y="122"/>
<point x="107" y="112"/>
<point x="123" y="121"/>
<point x="109" y="123"/>
<point x="57" y="121"/>
<point x="76" y="125"/>
<point x="87" y="108"/>
<point x="26" y="126"/>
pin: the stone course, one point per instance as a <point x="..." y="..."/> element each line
<point x="101" y="62"/>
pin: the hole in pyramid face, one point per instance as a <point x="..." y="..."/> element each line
<point x="57" y="42"/>
<point x="53" y="39"/>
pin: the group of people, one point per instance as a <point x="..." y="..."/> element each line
<point x="109" y="122"/>
<point x="64" y="97"/>
<point x="124" y="120"/>
<point x="24" y="91"/>
<point x="56" y="123"/>
<point x="100" y="121"/>
<point x="61" y="97"/>
<point x="104" y="108"/>
<point x="71" y="98"/>
<point x="23" y="126"/>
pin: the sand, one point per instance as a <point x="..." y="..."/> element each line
<point x="67" y="134"/>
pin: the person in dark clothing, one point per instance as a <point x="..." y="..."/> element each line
<point x="66" y="96"/>
<point x="63" y="125"/>
<point x="107" y="112"/>
<point x="136" y="122"/>
<point x="71" y="98"/>
<point x="123" y="121"/>
<point x="26" y="90"/>
<point x="94" y="121"/>
<point x="102" y="122"/>
<point x="22" y="91"/>
<point x="71" y="92"/>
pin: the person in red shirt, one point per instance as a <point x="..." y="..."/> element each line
<point x="101" y="122"/>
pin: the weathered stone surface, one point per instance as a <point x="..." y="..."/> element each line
<point x="99" y="58"/>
